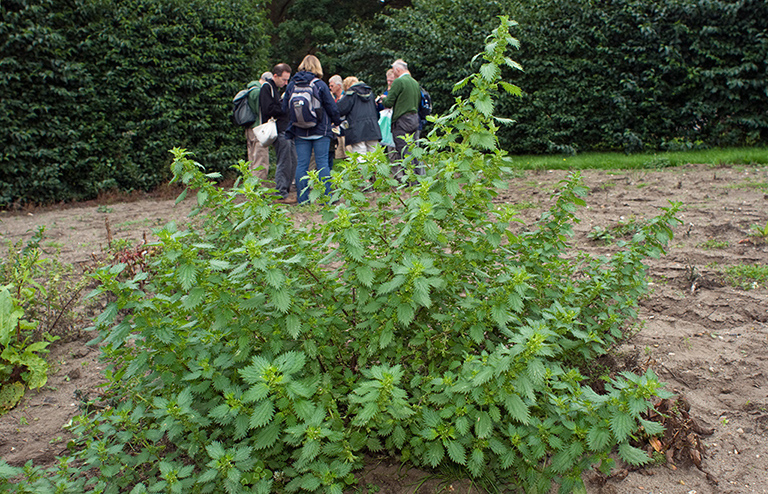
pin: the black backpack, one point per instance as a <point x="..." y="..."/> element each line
<point x="425" y="107"/>
<point x="242" y="114"/>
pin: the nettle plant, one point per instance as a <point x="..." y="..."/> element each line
<point x="260" y="356"/>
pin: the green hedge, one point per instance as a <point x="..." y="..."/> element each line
<point x="625" y="75"/>
<point x="93" y="93"/>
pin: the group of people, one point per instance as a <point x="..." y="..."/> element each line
<point x="310" y="115"/>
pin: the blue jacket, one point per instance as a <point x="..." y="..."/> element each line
<point x="329" y="112"/>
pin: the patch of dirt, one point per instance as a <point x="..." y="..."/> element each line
<point x="705" y="338"/>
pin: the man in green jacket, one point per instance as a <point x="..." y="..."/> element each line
<point x="403" y="97"/>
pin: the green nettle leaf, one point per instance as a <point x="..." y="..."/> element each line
<point x="598" y="438"/>
<point x="490" y="72"/>
<point x="262" y="414"/>
<point x="483" y="140"/>
<point x="293" y="325"/>
<point x="633" y="455"/>
<point x="483" y="425"/>
<point x="652" y="428"/>
<point x="456" y="452"/>
<point x="434" y="453"/>
<point x="365" y="275"/>
<point x="405" y="314"/>
<point x="186" y="274"/>
<point x="267" y="436"/>
<point x="281" y="300"/>
<point x="622" y="425"/>
<point x="275" y="278"/>
<point x="369" y="411"/>
<point x="517" y="409"/>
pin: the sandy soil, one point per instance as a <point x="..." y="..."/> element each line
<point x="705" y="338"/>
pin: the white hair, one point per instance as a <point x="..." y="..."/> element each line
<point x="266" y="76"/>
<point x="400" y="64"/>
<point x="335" y="79"/>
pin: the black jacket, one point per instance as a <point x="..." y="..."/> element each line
<point x="359" y="106"/>
<point x="272" y="105"/>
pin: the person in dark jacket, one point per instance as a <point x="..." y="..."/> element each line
<point x="317" y="137"/>
<point x="359" y="107"/>
<point x="272" y="107"/>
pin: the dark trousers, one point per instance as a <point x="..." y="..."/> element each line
<point x="285" y="168"/>
<point x="407" y="124"/>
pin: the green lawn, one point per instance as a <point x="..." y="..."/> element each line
<point x="611" y="161"/>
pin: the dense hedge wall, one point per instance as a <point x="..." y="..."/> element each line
<point x="598" y="74"/>
<point x="94" y="93"/>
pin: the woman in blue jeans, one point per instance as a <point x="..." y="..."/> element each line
<point x="312" y="110"/>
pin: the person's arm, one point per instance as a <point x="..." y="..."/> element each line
<point x="394" y="92"/>
<point x="270" y="103"/>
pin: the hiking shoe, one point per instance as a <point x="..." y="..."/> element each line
<point x="286" y="200"/>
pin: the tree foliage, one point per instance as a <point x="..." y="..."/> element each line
<point x="254" y="355"/>
<point x="94" y="92"/>
<point x="621" y="75"/>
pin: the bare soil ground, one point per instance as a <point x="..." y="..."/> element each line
<point x="704" y="337"/>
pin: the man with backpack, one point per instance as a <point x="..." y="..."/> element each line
<point x="258" y="155"/>
<point x="403" y="97"/>
<point x="271" y="104"/>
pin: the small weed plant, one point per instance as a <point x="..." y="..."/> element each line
<point x="22" y="307"/>
<point x="264" y="357"/>
<point x="714" y="244"/>
<point x="759" y="232"/>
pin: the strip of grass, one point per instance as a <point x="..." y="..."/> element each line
<point x="621" y="161"/>
<point x="745" y="276"/>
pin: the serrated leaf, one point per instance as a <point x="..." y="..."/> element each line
<point x="399" y="436"/>
<point x="218" y="265"/>
<point x="652" y="428"/>
<point x="633" y="455"/>
<point x="405" y="314"/>
<point x="310" y="451"/>
<point x="281" y="299"/>
<point x="483" y="425"/>
<point x="290" y="362"/>
<point x="365" y="275"/>
<point x="462" y="425"/>
<point x="490" y="72"/>
<point x="483" y="139"/>
<point x="186" y="275"/>
<point x="386" y="337"/>
<point x="262" y="414"/>
<point x="293" y="325"/>
<point x="477" y="333"/>
<point x="484" y="105"/>
<point x="456" y="452"/>
<point x="182" y="196"/>
<point x="268" y="436"/>
<point x="366" y="414"/>
<point x="476" y="463"/>
<point x="622" y="425"/>
<point x="517" y="409"/>
<point x="193" y="299"/>
<point x="434" y="453"/>
<point x="275" y="277"/>
<point x="598" y="438"/>
<point x="536" y="371"/>
<point x="483" y="376"/>
<point x="500" y="315"/>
